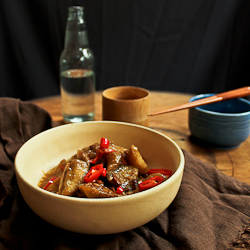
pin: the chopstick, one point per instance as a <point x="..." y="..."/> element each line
<point x="236" y="93"/>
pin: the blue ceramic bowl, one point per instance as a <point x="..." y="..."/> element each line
<point x="223" y="124"/>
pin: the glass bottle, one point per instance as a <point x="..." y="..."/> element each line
<point x="77" y="76"/>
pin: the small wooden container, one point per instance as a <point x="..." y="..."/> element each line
<point x="126" y="104"/>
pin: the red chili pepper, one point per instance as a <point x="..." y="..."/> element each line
<point x="98" y="156"/>
<point x="158" y="170"/>
<point x="94" y="173"/>
<point x="151" y="182"/>
<point x="100" y="153"/>
<point x="104" y="143"/>
<point x="119" y="190"/>
<point x="50" y="182"/>
<point x="104" y="172"/>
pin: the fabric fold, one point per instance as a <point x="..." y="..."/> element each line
<point x="19" y="121"/>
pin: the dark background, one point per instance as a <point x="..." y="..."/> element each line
<point x="192" y="46"/>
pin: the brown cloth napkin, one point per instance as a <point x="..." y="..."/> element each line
<point x="211" y="210"/>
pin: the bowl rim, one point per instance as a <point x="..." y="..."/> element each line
<point x="106" y="93"/>
<point x="200" y="96"/>
<point x="106" y="201"/>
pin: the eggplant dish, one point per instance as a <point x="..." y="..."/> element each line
<point x="103" y="170"/>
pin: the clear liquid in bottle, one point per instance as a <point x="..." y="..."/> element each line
<point x="77" y="93"/>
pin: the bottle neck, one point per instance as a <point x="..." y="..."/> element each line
<point x="76" y="32"/>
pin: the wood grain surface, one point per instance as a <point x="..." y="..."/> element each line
<point x="232" y="162"/>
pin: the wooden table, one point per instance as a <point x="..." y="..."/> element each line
<point x="232" y="162"/>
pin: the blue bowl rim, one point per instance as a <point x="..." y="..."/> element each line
<point x="200" y="96"/>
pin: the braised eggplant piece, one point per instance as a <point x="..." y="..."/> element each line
<point x="86" y="154"/>
<point x="123" y="176"/>
<point x="117" y="148"/>
<point x="135" y="159"/>
<point x="72" y="177"/>
<point x="114" y="159"/>
<point x="119" y="174"/>
<point x="95" y="190"/>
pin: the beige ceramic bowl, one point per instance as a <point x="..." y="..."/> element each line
<point x="103" y="215"/>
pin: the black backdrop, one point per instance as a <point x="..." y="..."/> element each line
<point x="190" y="46"/>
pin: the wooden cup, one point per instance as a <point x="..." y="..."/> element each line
<point x="126" y="104"/>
